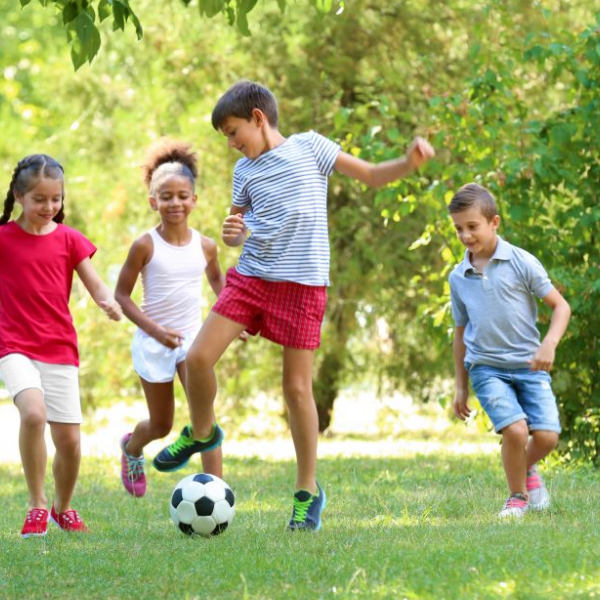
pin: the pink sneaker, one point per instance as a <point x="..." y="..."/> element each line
<point x="36" y="523"/>
<point x="68" y="520"/>
<point x="132" y="470"/>
<point x="515" y="506"/>
<point x="539" y="498"/>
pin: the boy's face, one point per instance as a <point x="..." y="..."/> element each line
<point x="245" y="136"/>
<point x="476" y="232"/>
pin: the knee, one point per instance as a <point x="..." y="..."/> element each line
<point x="33" y="417"/>
<point x="197" y="359"/>
<point x="297" y="393"/>
<point x="160" y="429"/>
<point x="516" y="433"/>
<point x="545" y="440"/>
<point x="68" y="443"/>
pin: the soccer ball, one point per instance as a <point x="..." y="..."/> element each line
<point x="202" y="504"/>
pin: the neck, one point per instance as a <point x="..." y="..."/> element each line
<point x="272" y="139"/>
<point x="176" y="235"/>
<point x="36" y="229"/>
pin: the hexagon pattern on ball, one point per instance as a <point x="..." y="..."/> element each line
<point x="202" y="504"/>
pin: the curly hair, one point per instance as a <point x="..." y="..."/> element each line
<point x="168" y="151"/>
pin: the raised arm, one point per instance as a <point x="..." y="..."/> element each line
<point x="98" y="290"/>
<point x="561" y="313"/>
<point x="216" y="278"/>
<point x="376" y="175"/>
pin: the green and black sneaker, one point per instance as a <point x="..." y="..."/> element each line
<point x="306" y="515"/>
<point x="177" y="455"/>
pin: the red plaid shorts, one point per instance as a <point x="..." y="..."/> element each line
<point x="284" y="312"/>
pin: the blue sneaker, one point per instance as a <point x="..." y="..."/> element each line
<point x="177" y="455"/>
<point x="306" y="515"/>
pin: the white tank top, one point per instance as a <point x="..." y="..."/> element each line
<point x="172" y="284"/>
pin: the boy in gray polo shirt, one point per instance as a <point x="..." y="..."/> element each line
<point x="497" y="344"/>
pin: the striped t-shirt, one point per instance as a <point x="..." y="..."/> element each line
<point x="285" y="190"/>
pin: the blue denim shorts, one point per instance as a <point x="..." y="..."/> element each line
<point x="510" y="395"/>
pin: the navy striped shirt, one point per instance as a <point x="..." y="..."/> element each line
<point x="285" y="190"/>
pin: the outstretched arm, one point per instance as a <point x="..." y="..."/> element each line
<point x="98" y="290"/>
<point x="376" y="175"/>
<point x="139" y="254"/>
<point x="561" y="313"/>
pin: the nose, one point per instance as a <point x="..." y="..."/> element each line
<point x="231" y="143"/>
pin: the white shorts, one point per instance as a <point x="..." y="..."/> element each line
<point x="59" y="385"/>
<point x="153" y="361"/>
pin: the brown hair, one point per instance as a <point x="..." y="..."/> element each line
<point x="175" y="152"/>
<point x="241" y="99"/>
<point x="26" y="175"/>
<point x="471" y="195"/>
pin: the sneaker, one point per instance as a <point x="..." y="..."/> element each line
<point x="68" y="520"/>
<point x="539" y="498"/>
<point x="132" y="470"/>
<point x="36" y="523"/>
<point x="177" y="455"/>
<point x="515" y="506"/>
<point x="306" y="515"/>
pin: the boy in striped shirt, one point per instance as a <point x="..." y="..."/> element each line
<point x="279" y="287"/>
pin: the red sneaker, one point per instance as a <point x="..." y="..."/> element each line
<point x="68" y="520"/>
<point x="36" y="523"/>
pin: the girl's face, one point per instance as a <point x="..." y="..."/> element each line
<point x="174" y="200"/>
<point x="42" y="202"/>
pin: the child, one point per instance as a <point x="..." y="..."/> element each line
<point x="497" y="344"/>
<point x="172" y="259"/>
<point x="38" y="343"/>
<point x="279" y="285"/>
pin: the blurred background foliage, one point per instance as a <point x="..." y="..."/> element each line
<point x="508" y="92"/>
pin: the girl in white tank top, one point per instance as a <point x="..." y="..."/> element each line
<point x="172" y="260"/>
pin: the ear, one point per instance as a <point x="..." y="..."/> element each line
<point x="496" y="221"/>
<point x="259" y="117"/>
<point x="152" y="203"/>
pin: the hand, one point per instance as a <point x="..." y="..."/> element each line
<point x="461" y="405"/>
<point x="112" y="308"/>
<point x="543" y="359"/>
<point x="244" y="336"/>
<point x="171" y="338"/>
<point x="233" y="227"/>
<point x="419" y="152"/>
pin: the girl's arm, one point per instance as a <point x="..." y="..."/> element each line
<point x="561" y="313"/>
<point x="215" y="277"/>
<point x="139" y="254"/>
<point x="376" y="175"/>
<point x="98" y="290"/>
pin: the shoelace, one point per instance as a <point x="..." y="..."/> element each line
<point x="533" y="480"/>
<point x="515" y="502"/>
<point x="300" y="509"/>
<point x="180" y="443"/>
<point x="36" y="514"/>
<point x="135" y="467"/>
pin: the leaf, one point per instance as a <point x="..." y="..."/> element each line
<point x="70" y="12"/>
<point x="242" y="23"/>
<point x="87" y="39"/>
<point x="104" y="9"/>
<point x="210" y="8"/>
<point x="25" y="2"/>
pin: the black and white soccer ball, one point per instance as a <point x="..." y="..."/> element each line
<point x="202" y="505"/>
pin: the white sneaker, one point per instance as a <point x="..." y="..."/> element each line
<point x="539" y="498"/>
<point x="515" y="506"/>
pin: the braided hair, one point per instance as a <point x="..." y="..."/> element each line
<point x="27" y="173"/>
<point x="169" y="158"/>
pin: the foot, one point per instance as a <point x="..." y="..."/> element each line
<point x="132" y="470"/>
<point x="306" y="515"/>
<point x="68" y="520"/>
<point x="177" y="455"/>
<point x="539" y="498"/>
<point x="515" y="506"/>
<point x="36" y="523"/>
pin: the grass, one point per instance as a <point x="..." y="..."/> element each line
<point x="419" y="526"/>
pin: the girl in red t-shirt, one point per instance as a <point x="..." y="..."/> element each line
<point x="38" y="344"/>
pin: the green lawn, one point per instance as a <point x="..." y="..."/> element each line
<point x="421" y="526"/>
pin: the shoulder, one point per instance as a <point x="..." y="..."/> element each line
<point x="525" y="259"/>
<point x="209" y="247"/>
<point x="143" y="246"/>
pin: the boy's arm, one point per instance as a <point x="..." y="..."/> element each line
<point x="543" y="359"/>
<point x="461" y="397"/>
<point x="234" y="232"/>
<point x="376" y="175"/>
<point x="214" y="275"/>
<point x="98" y="290"/>
<point x="139" y="254"/>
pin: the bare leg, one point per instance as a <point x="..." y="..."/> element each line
<point x="32" y="444"/>
<point x="161" y="408"/>
<point x="514" y="456"/>
<point x="541" y="443"/>
<point x="212" y="462"/>
<point x="211" y="342"/>
<point x="67" y="439"/>
<point x="304" y="422"/>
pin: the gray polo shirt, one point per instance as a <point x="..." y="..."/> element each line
<point x="497" y="308"/>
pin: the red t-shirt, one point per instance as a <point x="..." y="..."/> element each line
<point x="36" y="274"/>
